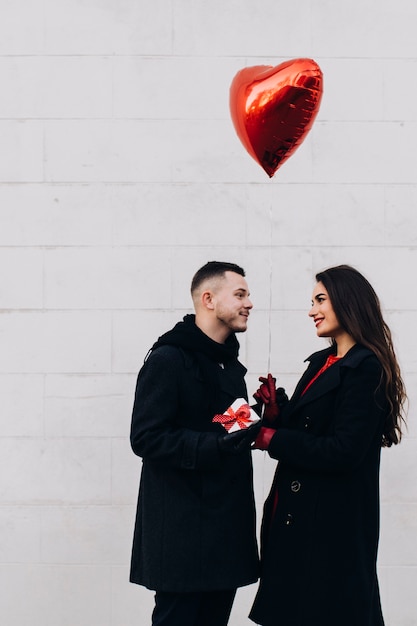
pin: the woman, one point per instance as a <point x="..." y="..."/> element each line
<point x="321" y="519"/>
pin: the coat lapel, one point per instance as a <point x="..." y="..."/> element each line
<point x="328" y="380"/>
<point x="316" y="362"/>
<point x="230" y="379"/>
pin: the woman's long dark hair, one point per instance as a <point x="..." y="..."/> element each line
<point x="358" y="311"/>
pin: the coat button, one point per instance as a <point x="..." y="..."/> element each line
<point x="295" y="486"/>
<point x="289" y="519"/>
<point x="307" y="422"/>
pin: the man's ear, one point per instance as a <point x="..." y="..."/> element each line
<point x="207" y="299"/>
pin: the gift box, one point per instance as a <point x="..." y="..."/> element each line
<point x="239" y="415"/>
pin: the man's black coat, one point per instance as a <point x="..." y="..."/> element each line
<point x="195" y="524"/>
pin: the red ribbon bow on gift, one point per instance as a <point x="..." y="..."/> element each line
<point x="228" y="419"/>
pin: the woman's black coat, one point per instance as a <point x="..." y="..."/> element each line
<point x="318" y="563"/>
<point x="195" y="524"/>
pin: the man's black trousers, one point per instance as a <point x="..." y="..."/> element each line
<point x="193" y="609"/>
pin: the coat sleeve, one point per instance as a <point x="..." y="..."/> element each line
<point x="155" y="434"/>
<point x="357" y="421"/>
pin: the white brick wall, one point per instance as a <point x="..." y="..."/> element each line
<point x="121" y="174"/>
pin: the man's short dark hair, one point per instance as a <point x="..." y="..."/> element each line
<point x="214" y="269"/>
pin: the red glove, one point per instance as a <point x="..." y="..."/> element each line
<point x="263" y="439"/>
<point x="267" y="394"/>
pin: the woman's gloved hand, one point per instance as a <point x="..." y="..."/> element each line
<point x="272" y="399"/>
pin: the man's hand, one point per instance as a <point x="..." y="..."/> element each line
<point x="239" y="441"/>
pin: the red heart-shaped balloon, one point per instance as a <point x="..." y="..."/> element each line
<point x="273" y="108"/>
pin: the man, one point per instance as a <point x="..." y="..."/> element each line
<point x="194" y="540"/>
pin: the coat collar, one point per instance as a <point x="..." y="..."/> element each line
<point x="353" y="358"/>
<point x="330" y="379"/>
